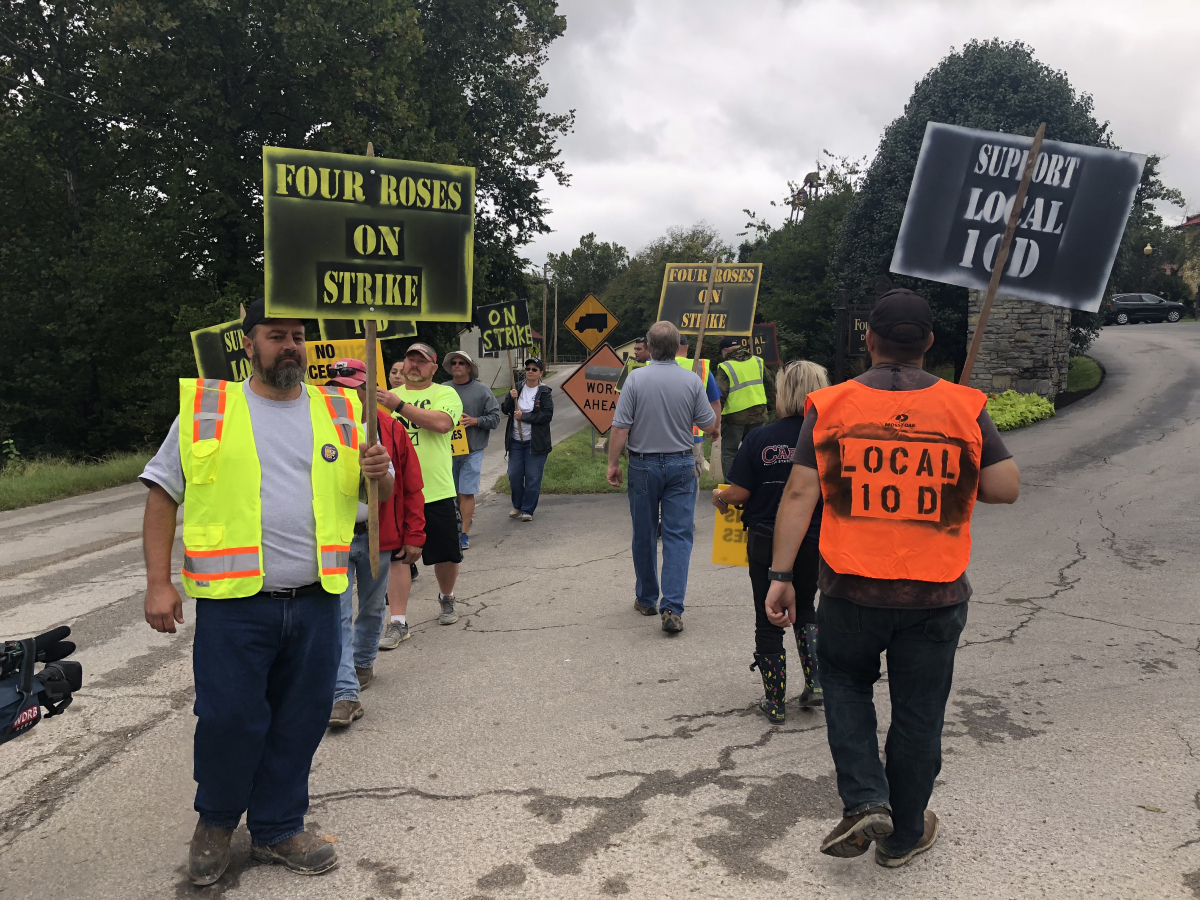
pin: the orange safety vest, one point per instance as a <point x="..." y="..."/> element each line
<point x="899" y="474"/>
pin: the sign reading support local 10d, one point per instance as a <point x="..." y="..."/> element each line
<point x="1069" y="228"/>
<point x="361" y="237"/>
<point x="731" y="310"/>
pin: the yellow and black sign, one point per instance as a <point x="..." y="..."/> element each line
<point x="591" y="322"/>
<point x="352" y="329"/>
<point x="323" y="354"/>
<point x="219" y="352"/>
<point x="458" y="440"/>
<point x="353" y="237"/>
<point x="734" y="299"/>
<point x="729" y="539"/>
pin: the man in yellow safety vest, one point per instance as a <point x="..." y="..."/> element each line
<point x="745" y="383"/>
<point x="269" y="474"/>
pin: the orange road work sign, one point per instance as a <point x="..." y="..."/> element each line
<point x="593" y="388"/>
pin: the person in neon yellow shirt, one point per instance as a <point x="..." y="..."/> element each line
<point x="428" y="412"/>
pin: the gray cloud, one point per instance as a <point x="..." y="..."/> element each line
<point x="696" y="109"/>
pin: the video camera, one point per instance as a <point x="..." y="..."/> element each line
<point x="23" y="693"/>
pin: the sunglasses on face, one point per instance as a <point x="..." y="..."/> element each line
<point x="344" y="371"/>
<point x="457" y="362"/>
<point x="532" y="369"/>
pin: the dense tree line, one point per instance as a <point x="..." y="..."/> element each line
<point x="132" y="133"/>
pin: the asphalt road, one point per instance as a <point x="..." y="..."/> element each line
<point x="555" y="744"/>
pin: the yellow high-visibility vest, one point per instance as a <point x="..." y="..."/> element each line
<point x="222" y="509"/>
<point x="684" y="363"/>
<point x="746" y="387"/>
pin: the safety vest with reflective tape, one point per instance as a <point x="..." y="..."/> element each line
<point x="684" y="363"/>
<point x="746" y="388"/>
<point x="899" y="475"/>
<point x="222" y="509"/>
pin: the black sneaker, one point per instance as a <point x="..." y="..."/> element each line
<point x="672" y="624"/>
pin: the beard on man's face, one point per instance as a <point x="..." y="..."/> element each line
<point x="284" y="373"/>
<point x="413" y="373"/>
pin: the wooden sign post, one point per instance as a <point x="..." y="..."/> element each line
<point x="1002" y="254"/>
<point x="712" y="277"/>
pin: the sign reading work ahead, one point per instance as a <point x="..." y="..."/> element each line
<point x="352" y="329"/>
<point x="1068" y="228"/>
<point x="763" y="343"/>
<point x="352" y="237"/>
<point x="731" y="310"/>
<point x="504" y="326"/>
<point x="219" y="352"/>
<point x="729" y="538"/>
<point x="591" y="322"/>
<point x="323" y="354"/>
<point x="593" y="388"/>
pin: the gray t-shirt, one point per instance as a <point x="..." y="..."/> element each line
<point x="479" y="402"/>
<point x="659" y="404"/>
<point x="284" y="440"/>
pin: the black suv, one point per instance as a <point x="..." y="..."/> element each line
<point x="1128" y="308"/>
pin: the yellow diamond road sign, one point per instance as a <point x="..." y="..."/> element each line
<point x="591" y="322"/>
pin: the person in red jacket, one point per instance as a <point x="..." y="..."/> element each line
<point x="401" y="537"/>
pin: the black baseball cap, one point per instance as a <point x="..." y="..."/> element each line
<point x="727" y="342"/>
<point x="902" y="316"/>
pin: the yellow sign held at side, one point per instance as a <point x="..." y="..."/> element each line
<point x="729" y="538"/>
<point x="458" y="441"/>
<point x="591" y="322"/>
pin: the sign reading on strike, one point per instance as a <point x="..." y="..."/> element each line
<point x="504" y="326"/>
<point x="729" y="539"/>
<point x="591" y="322"/>
<point x="593" y="388"/>
<point x="219" y="352"/>
<point x="323" y="354"/>
<point x="352" y="329"/>
<point x="1068" y="228"/>
<point x="763" y="343"/>
<point x="353" y="237"/>
<point x="731" y="310"/>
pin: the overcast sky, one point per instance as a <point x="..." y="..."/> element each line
<point x="696" y="109"/>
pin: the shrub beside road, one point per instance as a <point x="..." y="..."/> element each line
<point x="25" y="483"/>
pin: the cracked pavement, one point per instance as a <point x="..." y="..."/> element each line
<point x="553" y="743"/>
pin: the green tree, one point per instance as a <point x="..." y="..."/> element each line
<point x="993" y="85"/>
<point x="634" y="294"/>
<point x="586" y="269"/>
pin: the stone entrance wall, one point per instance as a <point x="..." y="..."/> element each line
<point x="1026" y="346"/>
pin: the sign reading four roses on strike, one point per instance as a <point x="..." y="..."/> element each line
<point x="361" y="237"/>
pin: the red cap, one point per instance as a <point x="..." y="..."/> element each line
<point x="351" y="373"/>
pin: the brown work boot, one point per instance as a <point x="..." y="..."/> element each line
<point x="365" y="677"/>
<point x="345" y="712"/>
<point x="927" y="840"/>
<point x="853" y="835"/>
<point x="304" y="853"/>
<point x="209" y="855"/>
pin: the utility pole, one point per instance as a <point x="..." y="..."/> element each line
<point x="556" y="321"/>
<point x="545" y="331"/>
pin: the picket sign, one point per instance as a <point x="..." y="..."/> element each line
<point x="729" y="538"/>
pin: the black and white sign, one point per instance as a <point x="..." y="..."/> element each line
<point x="504" y="326"/>
<point x="1069" y="227"/>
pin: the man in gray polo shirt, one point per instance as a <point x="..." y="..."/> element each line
<point x="659" y="404"/>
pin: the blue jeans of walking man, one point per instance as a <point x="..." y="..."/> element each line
<point x="264" y="671"/>
<point x="920" y="646"/>
<point x="662" y="488"/>
<point x="525" y="476"/>
<point x="360" y="636"/>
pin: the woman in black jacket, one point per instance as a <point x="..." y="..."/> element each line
<point x="527" y="438"/>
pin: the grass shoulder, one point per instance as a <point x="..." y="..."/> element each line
<point x="572" y="469"/>
<point x="27" y="483"/>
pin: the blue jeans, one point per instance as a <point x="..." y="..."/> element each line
<point x="525" y="476"/>
<point x="920" y="646"/>
<point x="662" y="488"/>
<point x="360" y="637"/>
<point x="264" y="671"/>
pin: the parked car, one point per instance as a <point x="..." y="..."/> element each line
<point x="1128" y="308"/>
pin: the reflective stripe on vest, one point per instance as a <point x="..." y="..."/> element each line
<point x="211" y="565"/>
<point x="686" y="364"/>
<point x="744" y="394"/>
<point x="899" y="475"/>
<point x="335" y="559"/>
<point x="208" y="415"/>
<point x="339" y="411"/>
